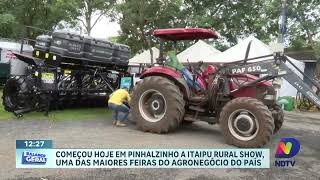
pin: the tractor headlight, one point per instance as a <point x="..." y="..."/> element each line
<point x="37" y="53"/>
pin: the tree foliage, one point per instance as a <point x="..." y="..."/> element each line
<point x="89" y="12"/>
<point x="139" y="18"/>
<point x="304" y="22"/>
<point x="49" y="15"/>
<point x="7" y="25"/>
<point x="45" y="14"/>
<point x="233" y="19"/>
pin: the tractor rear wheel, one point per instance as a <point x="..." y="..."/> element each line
<point x="157" y="105"/>
<point x="246" y="122"/>
<point x="278" y="117"/>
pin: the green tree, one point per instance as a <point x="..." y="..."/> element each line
<point x="138" y="19"/>
<point x="304" y="22"/>
<point x="232" y="19"/>
<point x="7" y="25"/>
<point x="45" y="14"/>
<point x="7" y="20"/>
<point x="304" y="25"/>
<point x="89" y="12"/>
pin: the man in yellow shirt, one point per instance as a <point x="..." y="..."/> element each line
<point x="120" y="110"/>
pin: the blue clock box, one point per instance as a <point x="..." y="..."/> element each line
<point x="34" y="144"/>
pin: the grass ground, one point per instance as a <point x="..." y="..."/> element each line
<point x="58" y="115"/>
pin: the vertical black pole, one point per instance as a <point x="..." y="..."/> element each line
<point x="161" y="51"/>
<point x="282" y="21"/>
<point x="22" y="39"/>
<point x="151" y="51"/>
<point x="151" y="56"/>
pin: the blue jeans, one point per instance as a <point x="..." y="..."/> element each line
<point x="189" y="78"/>
<point x="120" y="112"/>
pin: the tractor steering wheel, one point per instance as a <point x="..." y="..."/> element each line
<point x="198" y="68"/>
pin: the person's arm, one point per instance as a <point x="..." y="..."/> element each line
<point x="128" y="97"/>
<point x="174" y="61"/>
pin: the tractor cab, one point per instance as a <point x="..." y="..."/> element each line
<point x="180" y="34"/>
<point x="194" y="75"/>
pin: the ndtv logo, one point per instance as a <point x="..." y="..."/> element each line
<point x="287" y="148"/>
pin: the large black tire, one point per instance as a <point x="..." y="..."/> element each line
<point x="12" y="91"/>
<point x="278" y="117"/>
<point x="246" y="122"/>
<point x="157" y="105"/>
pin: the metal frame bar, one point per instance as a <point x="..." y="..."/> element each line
<point x="315" y="83"/>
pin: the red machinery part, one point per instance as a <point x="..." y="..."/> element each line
<point x="248" y="91"/>
<point x="176" y="34"/>
<point x="161" y="70"/>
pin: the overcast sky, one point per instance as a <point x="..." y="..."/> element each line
<point x="104" y="29"/>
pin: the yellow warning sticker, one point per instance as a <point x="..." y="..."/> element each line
<point x="67" y="71"/>
<point x="47" y="78"/>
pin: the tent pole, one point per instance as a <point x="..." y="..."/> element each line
<point x="160" y="58"/>
<point x="151" y="56"/>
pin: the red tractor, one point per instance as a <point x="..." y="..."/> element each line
<point x="244" y="105"/>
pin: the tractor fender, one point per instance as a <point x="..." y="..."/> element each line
<point x="248" y="91"/>
<point x="172" y="75"/>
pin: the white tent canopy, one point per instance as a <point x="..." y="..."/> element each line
<point x="199" y="51"/>
<point x="144" y="57"/>
<point x="238" y="52"/>
<point x="257" y="49"/>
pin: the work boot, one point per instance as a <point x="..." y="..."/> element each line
<point x="114" y="122"/>
<point x="120" y="124"/>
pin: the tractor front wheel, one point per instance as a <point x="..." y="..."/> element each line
<point x="246" y="122"/>
<point x="157" y="105"/>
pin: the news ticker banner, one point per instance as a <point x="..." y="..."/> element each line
<point x="41" y="154"/>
